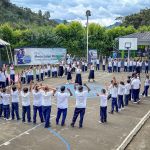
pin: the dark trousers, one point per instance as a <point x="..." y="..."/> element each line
<point x="97" y="67"/>
<point x="126" y="99"/>
<point x="109" y="69"/>
<point x="135" y="94"/>
<point x="53" y="74"/>
<point x="39" y="109"/>
<point x="114" y="104"/>
<point x="15" y="110"/>
<point x="2" y="84"/>
<point x="7" y="82"/>
<point x="42" y="76"/>
<point x="83" y="68"/>
<point x="64" y="114"/>
<point x="145" y="92"/>
<point x="103" y="114"/>
<point x="125" y="69"/>
<point x="103" y="67"/>
<point x="118" y="69"/>
<point x="46" y="113"/>
<point x="130" y="68"/>
<point x="49" y="73"/>
<point x="78" y="111"/>
<point x="37" y="77"/>
<point x="26" y="109"/>
<point x="6" y="109"/>
<point x="120" y="101"/>
<point x="134" y="68"/>
<point x="114" y="68"/>
<point x="1" y="109"/>
<point x="30" y="78"/>
<point x="12" y="77"/>
<point x="23" y="80"/>
<point x="146" y="69"/>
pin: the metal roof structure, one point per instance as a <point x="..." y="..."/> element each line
<point x="143" y="37"/>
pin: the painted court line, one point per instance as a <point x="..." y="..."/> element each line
<point x="60" y="137"/>
<point x="129" y="138"/>
<point x="23" y="133"/>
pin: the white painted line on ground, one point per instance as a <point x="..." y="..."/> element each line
<point x="128" y="139"/>
<point x="23" y="133"/>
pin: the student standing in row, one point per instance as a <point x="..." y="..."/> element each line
<point x="91" y="74"/>
<point x="62" y="104"/>
<point x="146" y="86"/>
<point x="103" y="106"/>
<point x="127" y="92"/>
<point x="81" y="98"/>
<point x="78" y="79"/>
<point x="46" y="104"/>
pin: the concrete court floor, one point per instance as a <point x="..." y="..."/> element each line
<point x="93" y="136"/>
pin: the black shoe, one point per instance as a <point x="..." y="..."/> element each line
<point x="72" y="125"/>
<point x="80" y="127"/>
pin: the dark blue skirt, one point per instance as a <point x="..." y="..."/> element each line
<point x="91" y="74"/>
<point x="69" y="77"/>
<point x="61" y="71"/>
<point x="78" y="79"/>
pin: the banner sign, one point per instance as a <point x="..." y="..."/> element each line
<point x="92" y="56"/>
<point x="37" y="56"/>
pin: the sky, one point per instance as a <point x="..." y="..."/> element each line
<point x="103" y="12"/>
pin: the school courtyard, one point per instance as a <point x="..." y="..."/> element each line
<point x="93" y="136"/>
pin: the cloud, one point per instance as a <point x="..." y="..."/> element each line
<point x="103" y="11"/>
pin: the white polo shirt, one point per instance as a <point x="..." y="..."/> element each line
<point x="103" y="100"/>
<point x="81" y="98"/>
<point x="127" y="89"/>
<point x="62" y="100"/>
<point x="47" y="98"/>
<point x="25" y="98"/>
<point x="5" y="98"/>
<point x="15" y="96"/>
<point x="121" y="89"/>
<point x="114" y="92"/>
<point x="37" y="98"/>
<point x="136" y="84"/>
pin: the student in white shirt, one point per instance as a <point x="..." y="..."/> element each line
<point x="114" y="95"/>
<point x="2" y="78"/>
<point x="134" y="65"/>
<point x="97" y="65"/>
<point x="78" y="78"/>
<point x="25" y="97"/>
<point x="86" y="66"/>
<point x="81" y="98"/>
<point x="53" y="70"/>
<point x="49" y="70"/>
<point x="136" y="85"/>
<point x="62" y="104"/>
<point x="115" y="66"/>
<point x="127" y="92"/>
<point x="15" y="103"/>
<point x="91" y="73"/>
<point x="37" y="103"/>
<point x="42" y="73"/>
<point x="46" y="104"/>
<point x="83" y="66"/>
<point x="146" y="67"/>
<point x="1" y="103"/>
<point x="146" y="86"/>
<point x="120" y="95"/>
<point x="119" y="65"/>
<point x="6" y="103"/>
<point x="103" y="106"/>
<point x="110" y="66"/>
<point x="130" y="66"/>
<point x="125" y="66"/>
<point x="104" y="63"/>
<point x="37" y="71"/>
<point x="69" y="76"/>
<point x="12" y="73"/>
<point x="56" y="71"/>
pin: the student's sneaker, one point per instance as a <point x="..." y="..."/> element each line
<point x="4" y="118"/>
<point x="100" y="122"/>
<point x="72" y="125"/>
<point x="135" y="102"/>
<point x="8" y="119"/>
<point x="119" y="109"/>
<point x="123" y="108"/>
<point x="111" y="112"/>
